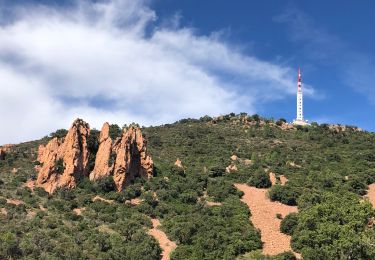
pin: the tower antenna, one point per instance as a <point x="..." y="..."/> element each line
<point x="299" y="119"/>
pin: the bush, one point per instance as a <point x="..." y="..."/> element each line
<point x="285" y="194"/>
<point x="260" y="179"/>
<point x="3" y="201"/>
<point x="285" y="256"/>
<point x="289" y="223"/>
<point x="59" y="166"/>
<point x="114" y="131"/>
<point x="105" y="184"/>
<point x="61" y="133"/>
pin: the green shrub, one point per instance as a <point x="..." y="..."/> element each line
<point x="105" y="184"/>
<point x="289" y="223"/>
<point x="260" y="179"/>
<point x="114" y="131"/>
<point x="285" y="194"/>
<point x="59" y="166"/>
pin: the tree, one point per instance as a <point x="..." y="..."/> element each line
<point x="334" y="229"/>
<point x="289" y="223"/>
<point x="260" y="179"/>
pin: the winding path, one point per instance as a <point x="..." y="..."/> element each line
<point x="166" y="245"/>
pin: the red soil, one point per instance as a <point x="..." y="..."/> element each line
<point x="283" y="179"/>
<point x="263" y="216"/>
<point x="273" y="179"/>
<point x="102" y="199"/>
<point x="166" y="245"/>
<point x="4" y="211"/>
<point x="135" y="201"/>
<point x="30" y="184"/>
<point x="15" y="202"/>
<point x="371" y="194"/>
<point x="78" y="211"/>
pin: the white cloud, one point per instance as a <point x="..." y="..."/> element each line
<point x="107" y="61"/>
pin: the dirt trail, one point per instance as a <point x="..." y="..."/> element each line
<point x="166" y="245"/>
<point x="102" y="199"/>
<point x="371" y="194"/>
<point x="263" y="216"/>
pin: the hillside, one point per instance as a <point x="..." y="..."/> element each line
<point x="328" y="169"/>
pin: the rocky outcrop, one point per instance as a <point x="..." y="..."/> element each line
<point x="3" y="150"/>
<point x="132" y="159"/>
<point x="102" y="162"/>
<point x="71" y="153"/>
<point x="64" y="161"/>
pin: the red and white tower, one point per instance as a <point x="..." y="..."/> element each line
<point x="299" y="120"/>
<point x="299" y="97"/>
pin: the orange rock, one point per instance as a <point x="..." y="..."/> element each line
<point x="234" y="157"/>
<point x="4" y="149"/>
<point x="178" y="163"/>
<point x="132" y="159"/>
<point x="74" y="153"/>
<point x="102" y="167"/>
<point x="231" y="168"/>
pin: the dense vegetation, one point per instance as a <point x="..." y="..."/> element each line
<point x="328" y="173"/>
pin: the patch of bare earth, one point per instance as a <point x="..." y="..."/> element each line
<point x="166" y="245"/>
<point x="134" y="202"/>
<point x="4" y="211"/>
<point x="211" y="203"/>
<point x="371" y="194"/>
<point x="78" y="211"/>
<point x="15" y="202"/>
<point x="102" y="199"/>
<point x="263" y="216"/>
<point x="273" y="179"/>
<point x="30" y="184"/>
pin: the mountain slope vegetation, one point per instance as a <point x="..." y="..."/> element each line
<point x="328" y="168"/>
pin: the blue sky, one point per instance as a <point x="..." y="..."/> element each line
<point x="278" y="31"/>
<point x="154" y="61"/>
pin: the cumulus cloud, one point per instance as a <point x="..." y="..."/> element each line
<point x="108" y="61"/>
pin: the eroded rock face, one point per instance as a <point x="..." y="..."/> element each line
<point x="72" y="152"/>
<point x="132" y="159"/>
<point x="3" y="150"/>
<point x="125" y="158"/>
<point x="102" y="161"/>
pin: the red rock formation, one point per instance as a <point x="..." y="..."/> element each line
<point x="132" y="159"/>
<point x="130" y="152"/>
<point x="3" y="150"/>
<point x="74" y="154"/>
<point x="102" y="167"/>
